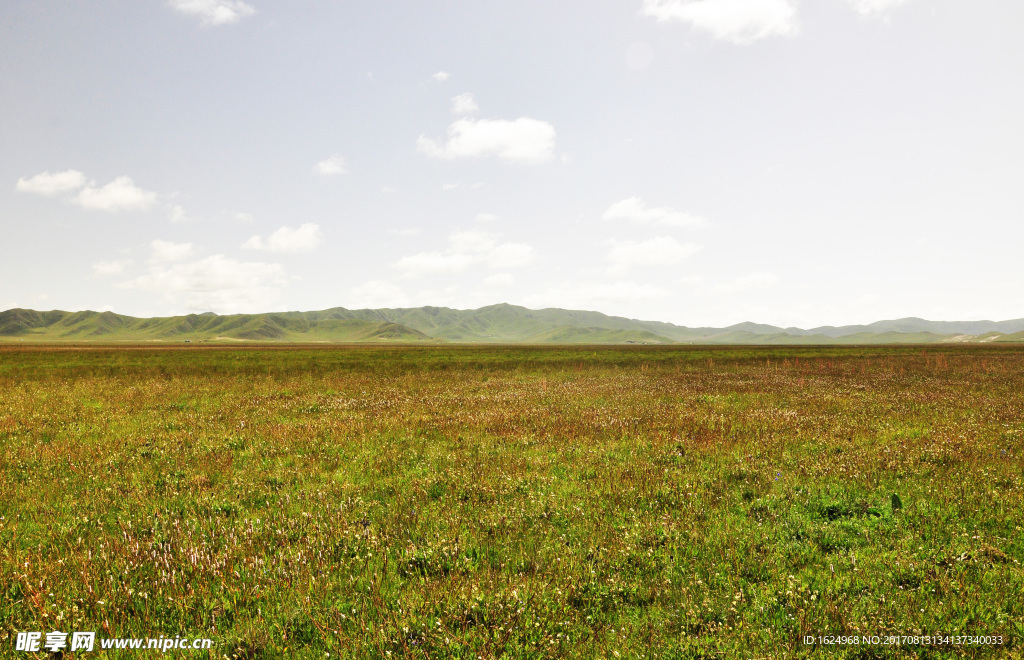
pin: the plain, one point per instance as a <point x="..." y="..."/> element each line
<point x="519" y="502"/>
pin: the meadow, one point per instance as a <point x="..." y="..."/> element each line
<point x="514" y="502"/>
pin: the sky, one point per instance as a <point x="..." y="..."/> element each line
<point x="701" y="162"/>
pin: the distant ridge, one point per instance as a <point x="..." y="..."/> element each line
<point x="107" y="326"/>
<point x="502" y="323"/>
<point x="912" y="324"/>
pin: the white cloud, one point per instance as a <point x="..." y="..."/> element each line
<point x="452" y="186"/>
<point x="472" y="241"/>
<point x="377" y="294"/>
<point x="467" y="248"/>
<point x="110" y="267"/>
<point x="331" y="166"/>
<point x="435" y="263"/>
<point x="875" y="7"/>
<point x="446" y="297"/>
<point x="287" y="239"/>
<point x="486" y="217"/>
<point x="738" y="21"/>
<point x="52" y="184"/>
<point x="216" y="283"/>
<point x="403" y="232"/>
<point x="242" y="217"/>
<point x="748" y="282"/>
<point x="591" y="295"/>
<point x="165" y="251"/>
<point x="121" y="194"/>
<point x="177" y="214"/>
<point x="464" y="104"/>
<point x="441" y="76"/>
<point x="521" y="140"/>
<point x="214" y="12"/>
<point x="634" y="209"/>
<point x="499" y="279"/>
<point x="510" y="255"/>
<point x="660" y="251"/>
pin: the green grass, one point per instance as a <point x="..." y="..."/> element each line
<point x="571" y="335"/>
<point x="514" y="502"/>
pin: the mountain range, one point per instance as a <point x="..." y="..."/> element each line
<point x="501" y="323"/>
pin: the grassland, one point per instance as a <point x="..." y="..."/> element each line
<point x="576" y="502"/>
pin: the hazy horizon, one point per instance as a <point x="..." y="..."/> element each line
<point x="539" y="309"/>
<point x="699" y="162"/>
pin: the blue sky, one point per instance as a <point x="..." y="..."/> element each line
<point x="702" y="162"/>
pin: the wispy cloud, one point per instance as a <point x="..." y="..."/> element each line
<point x="216" y="283"/>
<point x="472" y="241"/>
<point x="660" y="251"/>
<point x="738" y="21"/>
<point x="456" y="185"/>
<point x="464" y="104"/>
<point x="121" y="194"/>
<point x="111" y="267"/>
<point x="634" y="210"/>
<point x="441" y="76"/>
<point x="166" y="251"/>
<point x="376" y="294"/>
<point x="331" y="166"/>
<point x="875" y="7"/>
<point x="435" y="263"/>
<point x="748" y="282"/>
<point x="523" y="140"/>
<point x="467" y="248"/>
<point x="214" y="12"/>
<point x="177" y="214"/>
<point x="500" y="279"/>
<point x="510" y="255"/>
<point x="304" y="238"/>
<point x="52" y="184"/>
<point x="589" y="295"/>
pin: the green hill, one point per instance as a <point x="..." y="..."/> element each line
<point x="502" y="323"/>
<point x="106" y="326"/>
<point x="913" y="325"/>
<point x="498" y="323"/>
